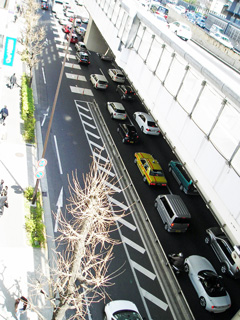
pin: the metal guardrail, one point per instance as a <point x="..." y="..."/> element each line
<point x="166" y="277"/>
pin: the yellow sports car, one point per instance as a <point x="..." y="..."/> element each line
<point x="150" y="169"/>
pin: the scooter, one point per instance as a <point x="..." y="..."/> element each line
<point x="179" y="268"/>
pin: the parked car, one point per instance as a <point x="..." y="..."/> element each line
<point x="82" y="57"/>
<point x="185" y="183"/>
<point x="146" y="123"/>
<point x="208" y="284"/>
<point x="158" y="9"/>
<point x="85" y="20"/>
<point x="44" y="5"/>
<point x="223" y="40"/>
<point x="116" y="75"/>
<point x="99" y="81"/>
<point x="128" y="133"/>
<point x="150" y="169"/>
<point x="223" y="249"/>
<point x="201" y="23"/>
<point x="179" y="9"/>
<point x="74" y="38"/>
<point x="126" y="92"/>
<point x="66" y="28"/>
<point x="116" y="110"/>
<point x="215" y="29"/>
<point x="80" y="30"/>
<point x="181" y="30"/>
<point x="121" y="309"/>
<point x="80" y="46"/>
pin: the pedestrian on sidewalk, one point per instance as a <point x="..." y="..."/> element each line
<point x="4" y="114"/>
<point x="13" y="81"/>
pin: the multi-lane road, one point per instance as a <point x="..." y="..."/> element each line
<point x="74" y="139"/>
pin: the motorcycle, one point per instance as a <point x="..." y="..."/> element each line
<point x="177" y="262"/>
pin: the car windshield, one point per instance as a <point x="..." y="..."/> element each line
<point x="120" y="75"/>
<point x="156" y="173"/>
<point x="152" y="124"/>
<point x="185" y="27"/>
<point x="127" y="314"/>
<point x="101" y="82"/>
<point x="212" y="283"/>
<point x="120" y="111"/>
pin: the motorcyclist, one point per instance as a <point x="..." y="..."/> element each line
<point x="177" y="260"/>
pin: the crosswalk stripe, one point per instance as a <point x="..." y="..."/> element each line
<point x="96" y="145"/>
<point x="133" y="245"/>
<point x="83" y="91"/>
<point x="92" y="134"/>
<point x="88" y="124"/>
<point x="118" y="203"/>
<point x="75" y="77"/>
<point x="69" y="56"/>
<point x="110" y="173"/>
<point x="143" y="270"/>
<point x="60" y="39"/>
<point x="109" y="185"/>
<point x="84" y="115"/>
<point x="127" y="224"/>
<point x="60" y="46"/>
<point x="72" y="65"/>
<point x="154" y="299"/>
<point x="100" y="157"/>
<point x="83" y="108"/>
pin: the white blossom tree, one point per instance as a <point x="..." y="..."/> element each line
<point x="86" y="247"/>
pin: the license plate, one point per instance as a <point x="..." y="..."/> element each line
<point x="131" y="141"/>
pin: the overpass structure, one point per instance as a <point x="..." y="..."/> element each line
<point x="197" y="110"/>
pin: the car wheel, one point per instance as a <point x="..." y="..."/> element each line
<point x="122" y="97"/>
<point x="202" y="302"/>
<point x="186" y="268"/>
<point x="135" y="161"/>
<point x="134" y="116"/>
<point x="144" y="179"/>
<point x="224" y="268"/>
<point x="112" y="116"/>
<point x="142" y="129"/>
<point x="207" y="240"/>
<point x="170" y="169"/>
<point x="155" y="204"/>
<point x="181" y="187"/>
<point x="166" y="226"/>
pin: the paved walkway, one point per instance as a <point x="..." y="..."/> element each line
<point x="18" y="261"/>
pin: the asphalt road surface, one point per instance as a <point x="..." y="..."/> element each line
<point x="73" y="139"/>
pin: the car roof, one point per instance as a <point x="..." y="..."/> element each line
<point x="147" y="116"/>
<point x="100" y="76"/>
<point x="118" y="105"/>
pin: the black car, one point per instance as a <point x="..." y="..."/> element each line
<point x="126" y="92"/>
<point x="128" y="133"/>
<point x="82" y="57"/>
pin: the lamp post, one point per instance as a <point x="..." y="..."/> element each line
<point x="53" y="109"/>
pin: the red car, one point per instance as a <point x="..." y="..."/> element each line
<point x="74" y="38"/>
<point x="66" y="29"/>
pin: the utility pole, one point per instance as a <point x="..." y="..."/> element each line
<point x="53" y="109"/>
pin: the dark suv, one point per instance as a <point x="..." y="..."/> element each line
<point x="128" y="133"/>
<point x="82" y="57"/>
<point x="126" y="92"/>
<point x="223" y="249"/>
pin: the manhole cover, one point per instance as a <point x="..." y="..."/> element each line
<point x="18" y="154"/>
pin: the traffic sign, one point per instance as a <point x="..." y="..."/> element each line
<point x="39" y="174"/>
<point x="42" y="162"/>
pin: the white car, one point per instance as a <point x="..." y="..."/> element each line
<point x="146" y="123"/>
<point x="81" y="31"/>
<point x="121" y="309"/>
<point x="208" y="284"/>
<point x="69" y="13"/>
<point x="116" y="75"/>
<point x="223" y="40"/>
<point x="99" y="81"/>
<point x="181" y="30"/>
<point x="116" y="110"/>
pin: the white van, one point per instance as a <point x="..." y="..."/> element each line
<point x="215" y="29"/>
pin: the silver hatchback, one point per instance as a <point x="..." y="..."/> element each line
<point x="223" y="249"/>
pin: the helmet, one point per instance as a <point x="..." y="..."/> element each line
<point x="180" y="254"/>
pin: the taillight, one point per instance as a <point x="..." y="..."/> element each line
<point x="172" y="224"/>
<point x="96" y="84"/>
<point x="148" y="129"/>
<point x="158" y="131"/>
<point x="164" y="185"/>
<point x="126" y="92"/>
<point x="152" y="184"/>
<point x="106" y="85"/>
<point x="127" y="135"/>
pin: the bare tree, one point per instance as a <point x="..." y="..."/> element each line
<point x="85" y="247"/>
<point x="33" y="37"/>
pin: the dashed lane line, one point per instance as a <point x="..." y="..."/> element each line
<point x="60" y="46"/>
<point x="134" y="245"/>
<point x="82" y="91"/>
<point x="143" y="270"/>
<point x="75" y="77"/>
<point x="154" y="299"/>
<point x="69" y="56"/>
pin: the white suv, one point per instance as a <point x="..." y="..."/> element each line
<point x="116" y="110"/>
<point x="116" y="75"/>
<point x="99" y="81"/>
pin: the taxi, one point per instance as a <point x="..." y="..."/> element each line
<point x="150" y="169"/>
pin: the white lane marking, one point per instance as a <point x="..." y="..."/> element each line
<point x="100" y="157"/>
<point x="111" y="186"/>
<point x="84" y="115"/>
<point x="72" y="65"/>
<point x="154" y="299"/>
<point x="75" y="77"/>
<point x="58" y="157"/>
<point x="133" y="245"/>
<point x="44" y="117"/>
<point x="92" y="134"/>
<point x="143" y="270"/>
<point x="59" y="206"/>
<point x="84" y="91"/>
<point x="44" y="79"/>
<point x="118" y="203"/>
<point x="127" y="224"/>
<point x="96" y="145"/>
<point x="70" y="56"/>
<point x="60" y="46"/>
<point x="110" y="173"/>
<point x="88" y="124"/>
<point x="82" y="107"/>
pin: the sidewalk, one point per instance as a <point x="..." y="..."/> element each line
<point x="18" y="261"/>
